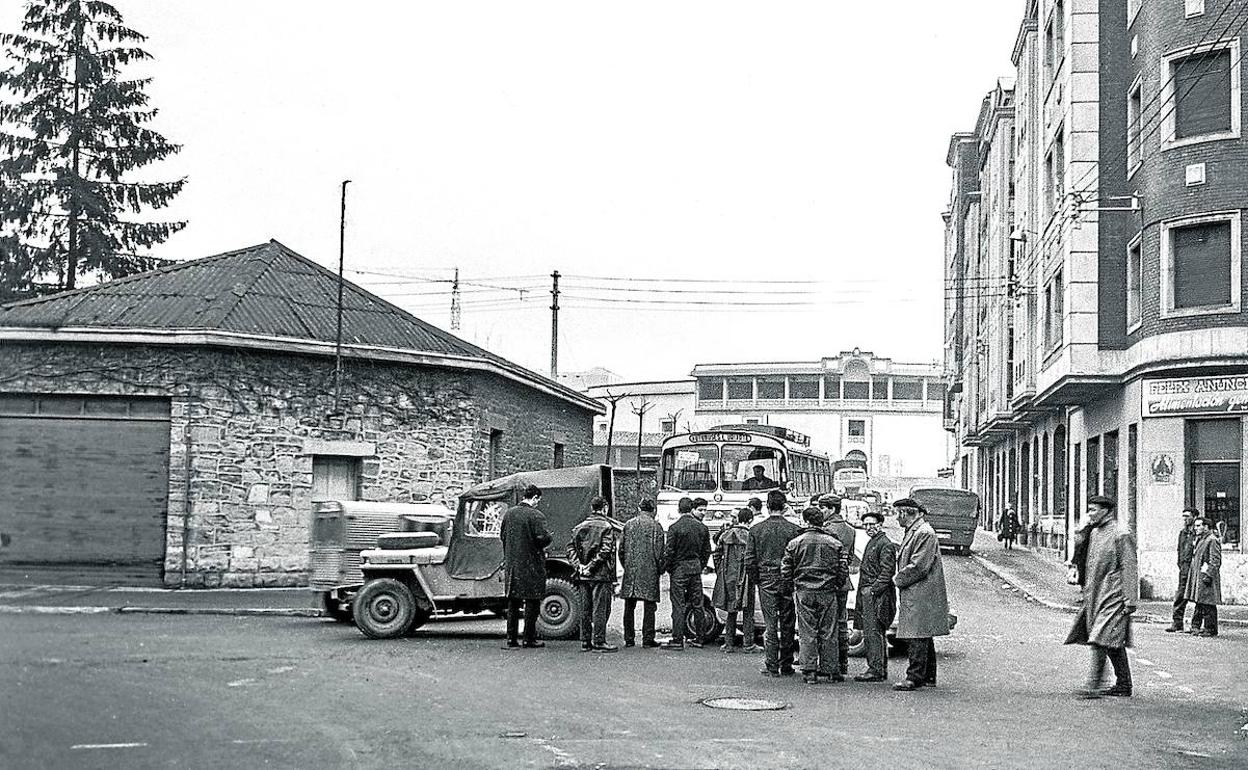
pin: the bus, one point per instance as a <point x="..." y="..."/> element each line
<point x="729" y="464"/>
<point x="849" y="477"/>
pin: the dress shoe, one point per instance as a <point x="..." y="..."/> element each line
<point x="511" y="646"/>
<point x="810" y="678"/>
<point x="650" y="643"/>
<point x="1192" y="631"/>
<point x="727" y="648"/>
<point x="869" y="678"/>
<point x="769" y="673"/>
<point x="1117" y="691"/>
<point x="671" y="645"/>
<point x="1088" y="693"/>
<point x="533" y="645"/>
<point x="1205" y="633"/>
<point x="605" y="648"/>
<point x="1172" y="629"/>
<point x="629" y="643"/>
<point x="586" y="646"/>
<point x="787" y="671"/>
<point x="929" y="683"/>
<point x="906" y="685"/>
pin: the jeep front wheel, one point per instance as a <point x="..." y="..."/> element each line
<point x="384" y="609"/>
<point x="559" y="614"/>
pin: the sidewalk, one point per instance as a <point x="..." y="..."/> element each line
<point x="1039" y="576"/>
<point x="87" y="600"/>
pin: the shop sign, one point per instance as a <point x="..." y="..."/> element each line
<point x="1184" y="396"/>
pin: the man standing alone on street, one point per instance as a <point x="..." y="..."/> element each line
<point x="525" y="537"/>
<point x="1185" y="549"/>
<point x="1204" y="583"/>
<point x="768" y="539"/>
<point x="641" y="555"/>
<point x="843" y="531"/>
<point x="1111" y="591"/>
<point x="733" y="592"/>
<point x="814" y="567"/>
<point x="685" y="556"/>
<point x="923" y="611"/>
<point x="592" y="553"/>
<point x="876" y="600"/>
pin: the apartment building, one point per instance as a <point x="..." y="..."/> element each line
<point x="1095" y="339"/>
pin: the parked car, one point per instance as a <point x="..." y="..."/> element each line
<point x="409" y="577"/>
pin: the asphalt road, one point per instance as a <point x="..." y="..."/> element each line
<point x="168" y="691"/>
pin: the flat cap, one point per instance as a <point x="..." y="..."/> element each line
<point x="909" y="502"/>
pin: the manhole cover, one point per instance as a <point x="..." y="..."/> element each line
<point x="745" y="704"/>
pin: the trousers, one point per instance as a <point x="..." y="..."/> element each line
<point x="842" y="631"/>
<point x="1206" y="616"/>
<point x="595" y="610"/>
<point x="816" y="626"/>
<point x="875" y="622"/>
<point x="647" y="620"/>
<point x="922" y="668"/>
<point x="746" y="618"/>
<point x="1180" y="600"/>
<point x="1122" y="666"/>
<point x="779" y="620"/>
<point x="685" y="588"/>
<point x="514" y="609"/>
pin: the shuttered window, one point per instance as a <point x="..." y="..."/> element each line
<point x="1202" y="88"/>
<point x="1202" y="264"/>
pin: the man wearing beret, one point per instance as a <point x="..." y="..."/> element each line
<point x="877" y="598"/>
<point x="923" y="611"/>
<point x="842" y="530"/>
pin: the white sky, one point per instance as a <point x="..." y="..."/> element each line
<point x="654" y="139"/>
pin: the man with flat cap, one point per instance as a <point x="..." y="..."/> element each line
<point x="842" y="530"/>
<point x="877" y="598"/>
<point x="923" y="604"/>
<point x="763" y="557"/>
<point x="814" y="567"/>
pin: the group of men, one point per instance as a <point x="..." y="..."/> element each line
<point x="1200" y="575"/>
<point x="799" y="575"/>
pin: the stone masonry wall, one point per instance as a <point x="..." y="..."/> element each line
<point x="241" y="422"/>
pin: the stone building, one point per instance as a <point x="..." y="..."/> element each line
<point x="174" y="427"/>
<point x="1127" y="345"/>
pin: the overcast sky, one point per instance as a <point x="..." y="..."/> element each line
<point x="676" y="140"/>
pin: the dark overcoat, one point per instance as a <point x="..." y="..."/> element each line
<point x="525" y="538"/>
<point x="1204" y="582"/>
<point x="641" y="556"/>
<point x="731" y="583"/>
<point x="1111" y="589"/>
<point x="923" y="602"/>
<point x="875" y="578"/>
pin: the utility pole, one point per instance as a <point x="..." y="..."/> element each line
<point x="554" y="326"/>
<point x="342" y="242"/>
<point x="455" y="309"/>
<point x="613" y="401"/>
<point x="640" y="410"/>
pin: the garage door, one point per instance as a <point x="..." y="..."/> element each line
<point x="84" y="487"/>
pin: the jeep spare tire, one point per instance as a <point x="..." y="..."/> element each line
<point x="559" y="614"/>
<point x="384" y="609"/>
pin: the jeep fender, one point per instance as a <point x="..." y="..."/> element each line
<point x="414" y="580"/>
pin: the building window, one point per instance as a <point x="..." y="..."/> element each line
<point x="935" y="391"/>
<point x="1076" y="490"/>
<point x="496" y="453"/>
<point x="1054" y="309"/>
<point x="1201" y="265"/>
<point x="668" y="427"/>
<point x="1059" y="168"/>
<point x="1058" y="469"/>
<point x="751" y="421"/>
<point x="1200" y="95"/>
<point x="1135" y="276"/>
<point x="1135" y="108"/>
<point x="770" y="388"/>
<point x="335" y="478"/>
<point x="879" y="388"/>
<point x="558" y="456"/>
<point x="832" y="387"/>
<point x="741" y="389"/>
<point x="1094" y="466"/>
<point x="1215" y="451"/>
<point x="1042" y="473"/>
<point x="907" y="390"/>
<point x="857" y="390"/>
<point x="804" y="388"/>
<point x="1133" y="474"/>
<point x="1109" y="465"/>
<point x="858" y="428"/>
<point x="710" y="389"/>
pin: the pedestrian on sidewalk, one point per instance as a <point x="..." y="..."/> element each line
<point x="685" y="555"/>
<point x="641" y="556"/>
<point x="592" y="554"/>
<point x="1111" y="592"/>
<point x="733" y="592"/>
<point x="877" y="600"/>
<point x="814" y="567"/>
<point x="525" y="537"/>
<point x="1186" y="545"/>
<point x="843" y="531"/>
<point x="768" y="539"/>
<point x="923" y="607"/>
<point x="1204" y="583"/>
<point x="1007" y="529"/>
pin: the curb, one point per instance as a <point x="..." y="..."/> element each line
<point x="1142" y="617"/>
<point x="219" y="611"/>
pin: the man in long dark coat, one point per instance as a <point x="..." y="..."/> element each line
<point x="768" y="539"/>
<point x="923" y="604"/>
<point x="1204" y="586"/>
<point x="641" y="556"/>
<point x="1185" y="548"/>
<point x="877" y="597"/>
<point x="685" y="555"/>
<point x="592" y="554"/>
<point x="525" y="538"/>
<point x="1111" y="591"/>
<point x="842" y="530"/>
<point x="733" y="592"/>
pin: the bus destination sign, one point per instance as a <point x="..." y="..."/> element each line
<point x="1195" y="395"/>
<point x="716" y="438"/>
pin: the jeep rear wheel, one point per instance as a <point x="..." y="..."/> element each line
<point x="559" y="614"/>
<point x="384" y="609"/>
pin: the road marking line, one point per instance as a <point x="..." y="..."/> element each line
<point x="241" y="682"/>
<point x="1164" y="674"/>
<point x="107" y="746"/>
<point x="281" y="670"/>
<point x="249" y="741"/>
<point x="1146" y="662"/>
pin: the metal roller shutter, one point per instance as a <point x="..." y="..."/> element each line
<point x="84" y="487"/>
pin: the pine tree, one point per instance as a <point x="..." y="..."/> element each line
<point x="71" y="129"/>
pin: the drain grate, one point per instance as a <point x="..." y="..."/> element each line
<point x="744" y="704"/>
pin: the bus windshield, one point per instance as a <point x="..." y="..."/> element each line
<point x="691" y="468"/>
<point x="749" y="468"/>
